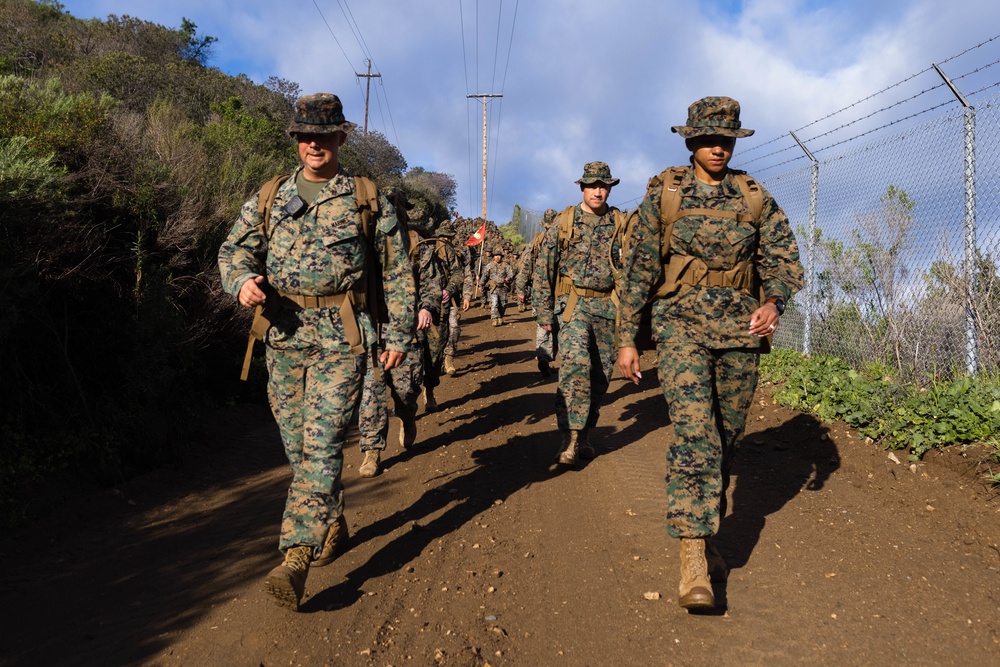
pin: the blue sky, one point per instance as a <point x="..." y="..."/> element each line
<point x="580" y="80"/>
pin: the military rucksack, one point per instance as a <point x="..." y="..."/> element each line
<point x="670" y="213"/>
<point x="443" y="251"/>
<point x="564" y="236"/>
<point x="373" y="296"/>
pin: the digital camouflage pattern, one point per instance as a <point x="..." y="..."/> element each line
<point x="716" y="317"/>
<point x="706" y="351"/>
<point x="713" y="116"/>
<point x="496" y="279"/>
<point x="597" y="172"/>
<point x="545" y="349"/>
<point x="586" y="342"/>
<point x="314" y="380"/>
<point x="404" y="382"/>
<point x="455" y="312"/>
<point x="449" y="277"/>
<point x="321" y="113"/>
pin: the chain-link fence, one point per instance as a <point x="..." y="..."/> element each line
<point x="899" y="236"/>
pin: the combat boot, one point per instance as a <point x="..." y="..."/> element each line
<point x="568" y="455"/>
<point x="370" y="466"/>
<point x="449" y="364"/>
<point x="543" y="368"/>
<point x="407" y="432"/>
<point x="695" y="589"/>
<point x="500" y="322"/>
<point x="287" y="582"/>
<point x="584" y="448"/>
<point x="430" y="404"/>
<point x="336" y="542"/>
<point x="718" y="570"/>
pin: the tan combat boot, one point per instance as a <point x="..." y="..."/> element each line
<point x="287" y="582"/>
<point x="407" y="432"/>
<point x="695" y="588"/>
<point x="500" y="322"/>
<point x="430" y="403"/>
<point x="336" y="542"/>
<point x="571" y="440"/>
<point x="449" y="364"/>
<point x="370" y="466"/>
<point x="584" y="448"/>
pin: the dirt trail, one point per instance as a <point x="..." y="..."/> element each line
<point x="473" y="549"/>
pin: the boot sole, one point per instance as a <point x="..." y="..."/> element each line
<point x="280" y="588"/>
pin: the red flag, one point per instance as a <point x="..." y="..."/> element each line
<point x="478" y="237"/>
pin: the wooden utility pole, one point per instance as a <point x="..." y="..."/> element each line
<point x="484" y="99"/>
<point x="368" y="84"/>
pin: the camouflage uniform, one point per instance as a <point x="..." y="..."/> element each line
<point x="314" y="376"/>
<point x="545" y="349"/>
<point x="403" y="383"/>
<point x="457" y="304"/>
<point x="500" y="274"/>
<point x="587" y="341"/>
<point x="448" y="277"/>
<point x="708" y="359"/>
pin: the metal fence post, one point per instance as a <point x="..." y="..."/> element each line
<point x="810" y="246"/>
<point x="971" y="341"/>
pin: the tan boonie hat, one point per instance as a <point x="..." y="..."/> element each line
<point x="597" y="172"/>
<point x="713" y="116"/>
<point x="321" y="113"/>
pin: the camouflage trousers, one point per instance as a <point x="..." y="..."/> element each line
<point x="587" y="346"/>
<point x="708" y="394"/>
<point x="312" y="393"/>
<point x="432" y="341"/>
<point x="402" y="384"/>
<point x="454" y="329"/>
<point x="498" y="302"/>
<point x="545" y="341"/>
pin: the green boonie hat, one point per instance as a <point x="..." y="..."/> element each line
<point x="446" y="229"/>
<point x="549" y="217"/>
<point x="321" y="113"/>
<point x="713" y="116"/>
<point x="597" y="172"/>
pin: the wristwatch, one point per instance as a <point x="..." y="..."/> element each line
<point x="778" y="303"/>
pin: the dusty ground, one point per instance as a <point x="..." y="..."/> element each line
<point x="472" y="549"/>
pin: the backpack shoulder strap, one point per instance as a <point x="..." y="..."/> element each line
<point x="367" y="200"/>
<point x="670" y="203"/>
<point x="265" y="198"/>
<point x="752" y="195"/>
<point x="565" y="222"/>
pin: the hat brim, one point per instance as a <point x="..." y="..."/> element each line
<point x="689" y="132"/>
<point x="307" y="128"/>
<point x="610" y="182"/>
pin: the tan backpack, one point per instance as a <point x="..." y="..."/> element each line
<point x="373" y="294"/>
<point x="670" y="213"/>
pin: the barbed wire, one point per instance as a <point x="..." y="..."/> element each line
<point x="890" y="124"/>
<point x="876" y="94"/>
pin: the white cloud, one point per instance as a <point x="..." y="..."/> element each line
<point x="584" y="81"/>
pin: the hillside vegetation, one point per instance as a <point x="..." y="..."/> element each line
<point x="124" y="159"/>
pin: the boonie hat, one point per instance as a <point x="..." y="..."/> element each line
<point x="321" y="113"/>
<point x="550" y="215"/>
<point x="446" y="229"/>
<point x="597" y="172"/>
<point x="713" y="116"/>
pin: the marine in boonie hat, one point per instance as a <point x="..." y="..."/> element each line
<point x="548" y="217"/>
<point x="713" y="116"/>
<point x="597" y="172"/>
<point x="446" y="229"/>
<point x="321" y="113"/>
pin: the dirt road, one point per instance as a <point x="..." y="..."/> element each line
<point x="473" y="549"/>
